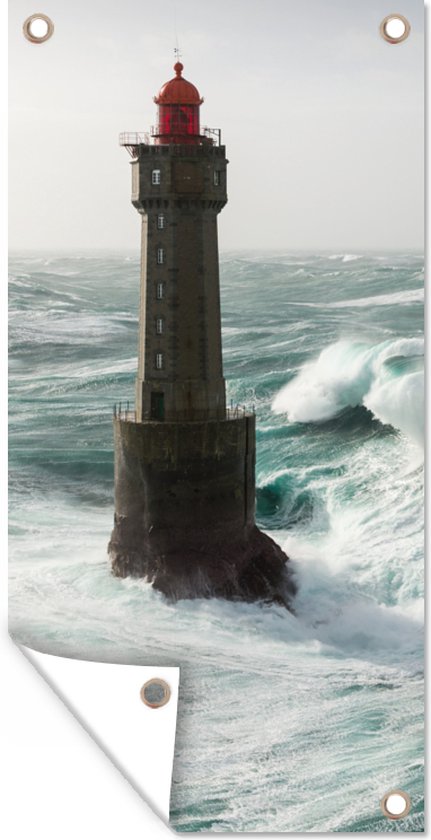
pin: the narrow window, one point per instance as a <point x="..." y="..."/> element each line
<point x="155" y="176"/>
<point x="160" y="291"/>
<point x="159" y="361"/>
<point x="160" y="255"/>
<point x="157" y="406"/>
<point x="216" y="178"/>
<point x="160" y="221"/>
<point x="159" y="326"/>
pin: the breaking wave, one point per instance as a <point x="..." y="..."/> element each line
<point x="386" y="378"/>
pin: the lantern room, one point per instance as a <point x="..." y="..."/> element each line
<point x="178" y="112"/>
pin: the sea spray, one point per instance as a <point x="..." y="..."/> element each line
<point x="349" y="373"/>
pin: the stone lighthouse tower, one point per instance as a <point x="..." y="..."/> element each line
<point x="184" y="464"/>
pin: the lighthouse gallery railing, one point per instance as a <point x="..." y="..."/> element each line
<point x="123" y="411"/>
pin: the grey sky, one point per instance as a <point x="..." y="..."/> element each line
<point x="322" y="120"/>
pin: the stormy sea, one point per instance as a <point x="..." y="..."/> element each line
<point x="287" y="722"/>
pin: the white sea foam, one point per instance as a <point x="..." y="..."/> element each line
<point x="345" y="257"/>
<point x="394" y="299"/>
<point x="350" y="373"/>
<point x="400" y="403"/>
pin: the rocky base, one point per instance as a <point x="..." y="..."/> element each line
<point x="214" y="566"/>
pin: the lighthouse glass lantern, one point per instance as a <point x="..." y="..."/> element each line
<point x="178" y="111"/>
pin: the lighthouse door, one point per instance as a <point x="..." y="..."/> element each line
<point x="157" y="406"/>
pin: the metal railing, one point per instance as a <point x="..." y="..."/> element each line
<point x="122" y="411"/>
<point x="131" y="140"/>
<point x="134" y="138"/>
<point x="234" y="412"/>
<point x="213" y="134"/>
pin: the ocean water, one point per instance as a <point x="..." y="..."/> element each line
<point x="286" y="722"/>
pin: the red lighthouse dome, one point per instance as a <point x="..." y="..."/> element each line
<point x="178" y="113"/>
<point x="178" y="91"/>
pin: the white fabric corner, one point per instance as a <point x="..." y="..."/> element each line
<point x="105" y="699"/>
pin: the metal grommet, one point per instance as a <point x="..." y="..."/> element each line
<point x="396" y="804"/>
<point x="155" y="693"/>
<point x="38" y="28"/>
<point x="395" y="28"/>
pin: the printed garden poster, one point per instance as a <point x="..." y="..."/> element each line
<point x="228" y="306"/>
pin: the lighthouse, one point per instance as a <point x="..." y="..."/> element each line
<point x="184" y="462"/>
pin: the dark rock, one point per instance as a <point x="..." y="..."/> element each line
<point x="249" y="570"/>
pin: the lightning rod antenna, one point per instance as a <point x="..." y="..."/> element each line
<point x="176" y="48"/>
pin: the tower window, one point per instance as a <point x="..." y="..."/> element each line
<point x="159" y="326"/>
<point x="159" y="361"/>
<point x="161" y="221"/>
<point x="216" y="178"/>
<point x="160" y="255"/>
<point x="156" y="176"/>
<point x="160" y="290"/>
<point x="157" y="406"/>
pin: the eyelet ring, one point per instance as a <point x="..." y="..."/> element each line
<point x="155" y="693"/>
<point x="385" y="28"/>
<point x="31" y="35"/>
<point x="394" y="810"/>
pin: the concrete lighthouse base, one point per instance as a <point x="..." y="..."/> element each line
<point x="184" y="512"/>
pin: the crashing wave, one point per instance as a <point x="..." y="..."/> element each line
<point x="386" y="378"/>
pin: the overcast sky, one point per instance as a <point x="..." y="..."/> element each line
<point x="322" y="119"/>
